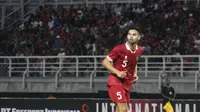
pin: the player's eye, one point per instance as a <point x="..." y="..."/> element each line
<point x="134" y="34"/>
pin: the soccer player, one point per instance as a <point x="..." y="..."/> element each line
<point x="122" y="63"/>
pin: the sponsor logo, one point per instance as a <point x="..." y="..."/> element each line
<point x="147" y="107"/>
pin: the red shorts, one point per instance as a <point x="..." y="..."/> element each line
<point x="118" y="94"/>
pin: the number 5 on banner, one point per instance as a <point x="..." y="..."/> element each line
<point x="119" y="95"/>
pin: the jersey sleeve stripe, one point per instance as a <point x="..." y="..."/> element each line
<point x="109" y="58"/>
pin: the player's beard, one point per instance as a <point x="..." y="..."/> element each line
<point x="132" y="41"/>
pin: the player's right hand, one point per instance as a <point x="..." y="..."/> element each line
<point x="122" y="74"/>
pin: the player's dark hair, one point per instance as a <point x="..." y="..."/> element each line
<point x="135" y="28"/>
<point x="126" y="30"/>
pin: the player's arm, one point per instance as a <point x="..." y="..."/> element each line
<point x="107" y="64"/>
<point x="135" y="75"/>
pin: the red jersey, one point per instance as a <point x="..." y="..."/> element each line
<point x="124" y="59"/>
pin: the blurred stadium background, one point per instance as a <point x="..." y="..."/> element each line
<point x="56" y="47"/>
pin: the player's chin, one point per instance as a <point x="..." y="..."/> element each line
<point x="132" y="42"/>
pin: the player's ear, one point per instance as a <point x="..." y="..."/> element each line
<point x="139" y="36"/>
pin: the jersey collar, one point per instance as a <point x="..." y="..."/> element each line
<point x="128" y="48"/>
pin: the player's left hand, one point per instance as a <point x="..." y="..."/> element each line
<point x="135" y="79"/>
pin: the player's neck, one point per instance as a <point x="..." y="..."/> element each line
<point x="132" y="46"/>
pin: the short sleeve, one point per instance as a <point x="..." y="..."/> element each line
<point x="140" y="52"/>
<point x="113" y="54"/>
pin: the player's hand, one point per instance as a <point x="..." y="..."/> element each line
<point x="122" y="74"/>
<point x="134" y="80"/>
